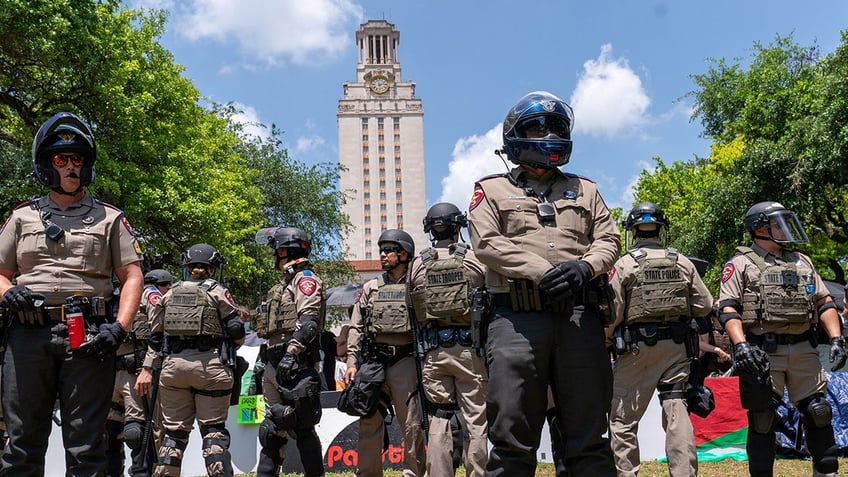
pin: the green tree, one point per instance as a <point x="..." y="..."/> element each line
<point x="182" y="172"/>
<point x="779" y="131"/>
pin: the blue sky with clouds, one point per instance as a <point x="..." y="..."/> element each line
<point x="625" y="67"/>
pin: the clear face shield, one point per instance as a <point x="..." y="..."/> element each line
<point x="785" y="228"/>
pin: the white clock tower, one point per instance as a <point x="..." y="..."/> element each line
<point x="381" y="147"/>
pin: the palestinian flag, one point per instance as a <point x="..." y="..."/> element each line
<point x="723" y="433"/>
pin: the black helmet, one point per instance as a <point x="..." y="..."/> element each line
<point x="203" y="254"/>
<point x="541" y="111"/>
<point x="64" y="132"/>
<point x="444" y="213"/>
<point x="782" y="224"/>
<point x="646" y="213"/>
<point x="291" y="238"/>
<point x="399" y="237"/>
<point x="158" y="277"/>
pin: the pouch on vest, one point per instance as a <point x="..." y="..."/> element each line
<point x="389" y="313"/>
<point x="782" y="296"/>
<point x="446" y="295"/>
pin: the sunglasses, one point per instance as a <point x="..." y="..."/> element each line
<point x="61" y="160"/>
<point x="541" y="126"/>
<point x="388" y="250"/>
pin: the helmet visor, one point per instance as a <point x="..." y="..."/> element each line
<point x="542" y="126"/>
<point x="784" y="227"/>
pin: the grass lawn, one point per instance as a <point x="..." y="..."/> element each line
<point x="726" y="468"/>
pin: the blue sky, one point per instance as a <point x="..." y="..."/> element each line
<point x="625" y="67"/>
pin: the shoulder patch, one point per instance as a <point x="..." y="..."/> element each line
<point x="476" y="197"/>
<point x="729" y="268"/>
<point x="358" y="297"/>
<point x="127" y="225"/>
<point x="611" y="273"/>
<point x="154" y="297"/>
<point x="307" y="285"/>
<point x="229" y="297"/>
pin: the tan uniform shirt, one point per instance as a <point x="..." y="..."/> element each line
<point x="508" y="236"/>
<point x="624" y="276"/>
<point x="97" y="240"/>
<point x="474" y="270"/>
<point x="741" y="274"/>
<point x="357" y="323"/>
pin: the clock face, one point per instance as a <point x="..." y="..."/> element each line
<point x="379" y="84"/>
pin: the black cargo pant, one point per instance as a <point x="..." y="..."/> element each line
<point x="36" y="371"/>
<point x="526" y="352"/>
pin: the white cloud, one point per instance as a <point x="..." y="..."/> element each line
<point x="301" y="31"/>
<point x="249" y="119"/>
<point x="308" y="143"/>
<point x="473" y="158"/>
<point x="609" y="98"/>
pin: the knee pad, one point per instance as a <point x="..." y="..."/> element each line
<point x="173" y="446"/>
<point x="268" y="436"/>
<point x="816" y="411"/>
<point x="762" y="422"/>
<point x="216" y="445"/>
<point x="134" y="434"/>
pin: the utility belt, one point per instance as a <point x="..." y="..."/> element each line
<point x="199" y="342"/>
<point x="768" y="342"/>
<point x="446" y="336"/>
<point x="524" y="295"/>
<point x="516" y="302"/>
<point x="390" y="354"/>
<point x="93" y="310"/>
<point x="651" y="333"/>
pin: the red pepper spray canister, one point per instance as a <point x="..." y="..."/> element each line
<point x="76" y="324"/>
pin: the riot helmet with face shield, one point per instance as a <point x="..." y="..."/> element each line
<point x="781" y="224"/>
<point x="537" y="131"/>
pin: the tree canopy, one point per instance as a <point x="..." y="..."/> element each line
<point x="178" y="165"/>
<point x="779" y="127"/>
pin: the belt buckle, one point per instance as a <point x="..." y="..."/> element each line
<point x="392" y="350"/>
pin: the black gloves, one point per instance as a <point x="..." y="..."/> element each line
<point x="105" y="342"/>
<point x="565" y="278"/>
<point x="287" y="368"/>
<point x="838" y="354"/>
<point x="750" y="359"/>
<point x="19" y="298"/>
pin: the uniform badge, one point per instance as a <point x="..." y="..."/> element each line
<point x="229" y="297"/>
<point x="611" y="274"/>
<point x="476" y="197"/>
<point x="727" y="272"/>
<point x="307" y="286"/>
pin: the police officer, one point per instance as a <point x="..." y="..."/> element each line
<point x="771" y="301"/>
<point x="657" y="291"/>
<point x="454" y="376"/>
<point x="130" y="413"/>
<point x="545" y="236"/>
<point x="195" y="328"/>
<point x="291" y="321"/>
<point x="62" y="250"/>
<point x="380" y="331"/>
